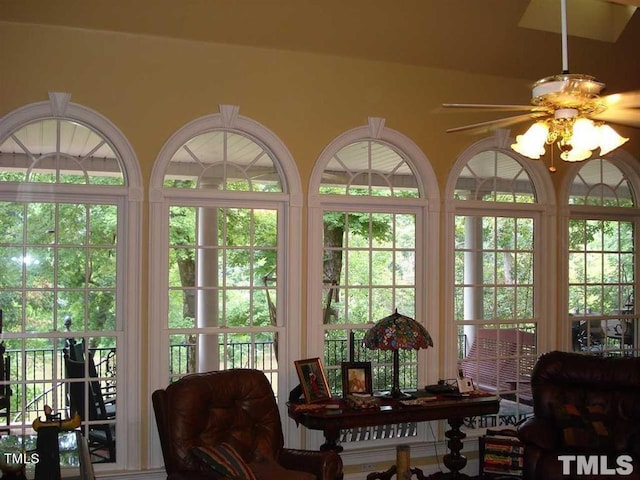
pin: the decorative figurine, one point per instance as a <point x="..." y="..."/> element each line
<point x="47" y="447"/>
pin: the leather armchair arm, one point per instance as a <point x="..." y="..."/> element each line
<point x="324" y="465"/>
<point x="540" y="432"/>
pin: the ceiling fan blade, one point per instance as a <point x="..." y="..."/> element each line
<point x="623" y="100"/>
<point x="493" y="124"/>
<point x="621" y="116"/>
<point x="489" y="106"/>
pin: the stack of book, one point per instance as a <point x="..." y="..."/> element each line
<point x="502" y="455"/>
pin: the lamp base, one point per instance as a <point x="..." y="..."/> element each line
<point x="397" y="395"/>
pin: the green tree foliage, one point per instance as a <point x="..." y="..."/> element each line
<point x="60" y="261"/>
<point x="335" y="226"/>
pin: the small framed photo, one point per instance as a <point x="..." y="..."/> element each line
<point x="356" y="378"/>
<point x="313" y="380"/>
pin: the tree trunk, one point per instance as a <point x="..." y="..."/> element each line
<point x="332" y="264"/>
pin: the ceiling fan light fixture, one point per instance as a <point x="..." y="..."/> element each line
<point x="609" y="139"/>
<point x="576" y="137"/>
<point x="531" y="143"/>
<point x="575" y="155"/>
<point x="585" y="135"/>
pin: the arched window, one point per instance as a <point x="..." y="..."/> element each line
<point x="371" y="231"/>
<point x="496" y="226"/>
<point x="70" y="207"/>
<point x="225" y="215"/>
<point x="602" y="258"/>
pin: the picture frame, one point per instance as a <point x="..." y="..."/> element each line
<point x="313" y="380"/>
<point x="356" y="378"/>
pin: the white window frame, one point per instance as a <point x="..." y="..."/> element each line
<point x="289" y="205"/>
<point x="426" y="208"/>
<point x="543" y="214"/>
<point x="129" y="200"/>
<point x="629" y="167"/>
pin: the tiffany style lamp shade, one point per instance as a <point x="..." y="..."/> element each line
<point x="393" y="333"/>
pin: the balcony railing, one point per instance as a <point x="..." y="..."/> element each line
<point x="42" y="382"/>
<point x="40" y="390"/>
<point x="262" y="355"/>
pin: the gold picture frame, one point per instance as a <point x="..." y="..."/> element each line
<point x="356" y="378"/>
<point x="313" y="380"/>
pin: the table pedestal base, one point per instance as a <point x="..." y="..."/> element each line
<point x="453" y="460"/>
<point x="388" y="475"/>
<point x="401" y="469"/>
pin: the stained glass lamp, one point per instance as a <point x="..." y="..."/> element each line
<point x="397" y="332"/>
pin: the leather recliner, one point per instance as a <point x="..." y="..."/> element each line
<point x="235" y="406"/>
<point x="586" y="421"/>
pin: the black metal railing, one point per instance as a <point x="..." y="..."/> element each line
<point x="182" y="358"/>
<point x="36" y="374"/>
<point x="260" y="355"/>
<point x="38" y="371"/>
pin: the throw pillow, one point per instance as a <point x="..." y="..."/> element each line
<point x="585" y="427"/>
<point x="224" y="459"/>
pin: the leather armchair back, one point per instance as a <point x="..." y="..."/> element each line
<point x="602" y="391"/>
<point x="210" y="408"/>
<point x="568" y="378"/>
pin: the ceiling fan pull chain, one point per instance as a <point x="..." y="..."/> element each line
<point x="552" y="167"/>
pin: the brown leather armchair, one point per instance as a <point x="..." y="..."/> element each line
<point x="233" y="406"/>
<point x="583" y="406"/>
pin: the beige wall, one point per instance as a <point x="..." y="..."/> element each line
<point x="149" y="87"/>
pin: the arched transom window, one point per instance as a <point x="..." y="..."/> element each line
<point x="369" y="167"/>
<point x="224" y="160"/>
<point x="59" y="150"/>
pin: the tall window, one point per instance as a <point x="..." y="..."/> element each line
<point x="223" y="259"/>
<point x="222" y="217"/>
<point x="369" y="260"/>
<point x="62" y="286"/>
<point x="369" y="212"/>
<point x="494" y="271"/>
<point x="602" y="260"/>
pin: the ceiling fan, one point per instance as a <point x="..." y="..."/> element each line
<point x="568" y="111"/>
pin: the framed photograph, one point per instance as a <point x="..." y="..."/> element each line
<point x="313" y="380"/>
<point x="356" y="378"/>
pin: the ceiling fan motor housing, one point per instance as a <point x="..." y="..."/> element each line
<point x="568" y="91"/>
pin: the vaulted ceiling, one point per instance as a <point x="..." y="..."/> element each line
<point x="506" y="38"/>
